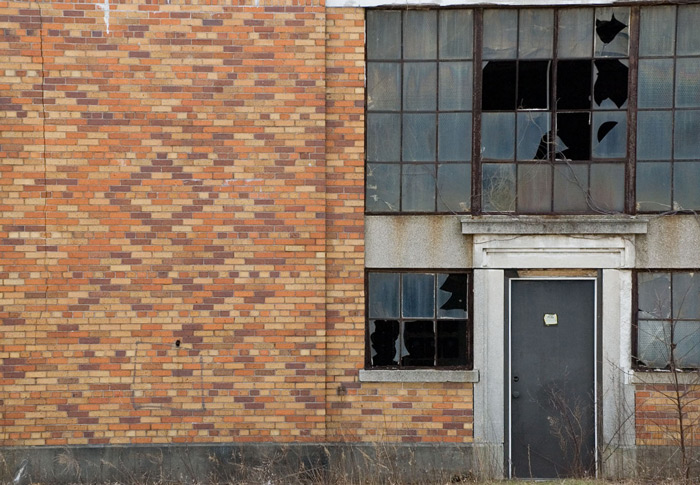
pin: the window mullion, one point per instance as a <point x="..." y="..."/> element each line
<point x="631" y="165"/>
<point x="476" y="113"/>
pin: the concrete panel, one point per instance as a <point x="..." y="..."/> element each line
<point x="416" y="242"/>
<point x="671" y="242"/>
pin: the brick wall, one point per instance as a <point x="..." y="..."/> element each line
<point x="181" y="229"/>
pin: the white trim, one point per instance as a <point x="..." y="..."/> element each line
<point x="507" y="400"/>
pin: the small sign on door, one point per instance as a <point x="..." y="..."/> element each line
<point x="550" y="319"/>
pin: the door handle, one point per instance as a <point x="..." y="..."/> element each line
<point x="516" y="394"/>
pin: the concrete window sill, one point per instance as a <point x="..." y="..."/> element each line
<point x="419" y="375"/>
<point x="657" y="377"/>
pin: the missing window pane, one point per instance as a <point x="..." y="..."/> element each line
<point x="498" y="91"/>
<point x="419" y="344"/>
<point x="574" y="84"/>
<point x="533" y="84"/>
<point x="452" y="295"/>
<point x="574" y="131"/>
<point x="452" y="343"/>
<point x="384" y="339"/>
<point x="611" y="83"/>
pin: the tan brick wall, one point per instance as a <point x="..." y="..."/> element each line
<point x="657" y="414"/>
<point x="181" y="229"/>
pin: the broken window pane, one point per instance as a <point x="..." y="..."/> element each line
<point x="654" y="295"/>
<point x="687" y="81"/>
<point x="610" y="130"/>
<point x="574" y="84"/>
<point x="686" y="336"/>
<point x="419" y="137"/>
<point x="655" y="89"/>
<point x="653" y="186"/>
<point x="383" y="137"/>
<point x="454" y="187"/>
<point x="418" y="295"/>
<point x="686" y="180"/>
<point x="534" y="188"/>
<point x="420" y="86"/>
<point x="607" y="187"/>
<point x="452" y="343"/>
<point x="612" y="32"/>
<point x="536" y="28"/>
<point x="498" y="186"/>
<point x="419" y="344"/>
<point x="418" y="188"/>
<point x="383" y="34"/>
<point x="456" y="36"/>
<point x="533" y="85"/>
<point x="384" y="86"/>
<point x="498" y="90"/>
<point x="454" y="136"/>
<point x="574" y="136"/>
<point x="685" y="137"/>
<point x="382" y="187"/>
<point x="384" y="342"/>
<point x="688" y="32"/>
<point x="420" y="27"/>
<point x="657" y="31"/>
<point x="570" y="188"/>
<point x="686" y="295"/>
<point x="610" y="87"/>
<point x="497" y="130"/>
<point x="383" y="295"/>
<point x="575" y="33"/>
<point x="654" y="135"/>
<point x="653" y="338"/>
<point x="533" y="136"/>
<point x="500" y="34"/>
<point x="452" y="295"/>
<point x="455" y="86"/>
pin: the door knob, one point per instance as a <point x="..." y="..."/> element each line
<point x="516" y="394"/>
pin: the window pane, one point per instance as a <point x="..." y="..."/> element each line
<point x="534" y="188"/>
<point x="653" y="338"/>
<point x="686" y="139"/>
<point x="418" y="188"/>
<point x="383" y="86"/>
<point x="454" y="187"/>
<point x="383" y="295"/>
<point x="419" y="344"/>
<point x="657" y="35"/>
<point x="455" y="137"/>
<point x="570" y="188"/>
<point x="612" y="32"/>
<point x="418" y="295"/>
<point x="456" y="34"/>
<point x="419" y="137"/>
<point x="687" y="81"/>
<point x="382" y="187"/>
<point x="536" y="27"/>
<point x="500" y="34"/>
<point x="452" y="295"/>
<point x="455" y="86"/>
<point x="420" y="34"/>
<point x="610" y="86"/>
<point x="654" y="135"/>
<point x="383" y="137"/>
<point x="498" y="90"/>
<point x="533" y="136"/>
<point x="688" y="33"/>
<point x="497" y="136"/>
<point x="654" y="186"/>
<point x="575" y="32"/>
<point x="610" y="129"/>
<point x="686" y="336"/>
<point x="498" y="187"/>
<point x="533" y="84"/>
<point x="654" y="295"/>
<point x="686" y="180"/>
<point x="383" y="34"/>
<point x="686" y="295"/>
<point x="655" y="83"/>
<point x="452" y="343"/>
<point x="420" y="86"/>
<point x="384" y="342"/>
<point x="607" y="186"/>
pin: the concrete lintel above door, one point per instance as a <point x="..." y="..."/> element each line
<point x="575" y="225"/>
<point x="553" y="251"/>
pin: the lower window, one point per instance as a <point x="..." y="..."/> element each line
<point x="418" y="319"/>
<point x="668" y="320"/>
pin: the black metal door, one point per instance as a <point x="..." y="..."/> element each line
<point x="552" y="378"/>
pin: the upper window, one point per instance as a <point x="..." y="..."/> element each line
<point x="668" y="320"/>
<point x="418" y="319"/>
<point x="539" y="107"/>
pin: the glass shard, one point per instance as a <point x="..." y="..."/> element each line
<point x="611" y="82"/>
<point x="384" y="337"/>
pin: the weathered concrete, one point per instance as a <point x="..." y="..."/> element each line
<point x="671" y="242"/>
